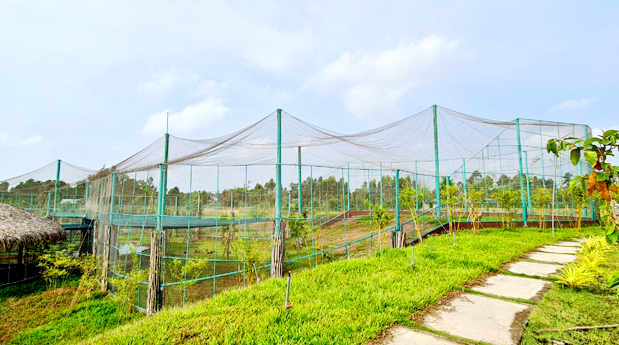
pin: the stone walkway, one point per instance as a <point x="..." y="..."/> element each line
<point x="494" y="314"/>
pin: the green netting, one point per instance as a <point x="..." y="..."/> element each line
<point x="219" y="205"/>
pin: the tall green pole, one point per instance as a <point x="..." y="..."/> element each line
<point x="278" y="176"/>
<point x="397" y="201"/>
<point x="31" y="201"/>
<point x="416" y="190"/>
<point x="56" y="185"/>
<point x="312" y="213"/>
<point x="113" y="199"/>
<point x="49" y="204"/>
<point x="466" y="205"/>
<point x="589" y="170"/>
<point x="300" y="182"/>
<point x="348" y="186"/>
<point x="526" y="161"/>
<point x="279" y="246"/>
<point x="437" y="179"/>
<point x="381" y="184"/>
<point x="522" y="197"/>
<point x="541" y="138"/>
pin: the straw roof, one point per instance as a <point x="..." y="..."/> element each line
<point x="20" y="227"/>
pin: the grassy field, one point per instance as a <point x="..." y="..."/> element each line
<point x="565" y="307"/>
<point x="32" y="315"/>
<point x="345" y="302"/>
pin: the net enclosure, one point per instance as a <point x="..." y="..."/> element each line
<point x="201" y="216"/>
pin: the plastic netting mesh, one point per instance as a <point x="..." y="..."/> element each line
<point x="219" y="207"/>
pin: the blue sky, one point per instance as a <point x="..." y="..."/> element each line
<point x="90" y="82"/>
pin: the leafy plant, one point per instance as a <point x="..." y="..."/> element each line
<point x="299" y="229"/>
<point x="579" y="197"/>
<point x="57" y="265"/>
<point x="596" y="244"/>
<point x="593" y="261"/>
<point x="603" y="179"/>
<point x="475" y="197"/>
<point x="506" y="198"/>
<point x="542" y="197"/>
<point x="576" y="275"/>
<point x="382" y="219"/>
<point x="126" y="288"/>
<point x="411" y="198"/>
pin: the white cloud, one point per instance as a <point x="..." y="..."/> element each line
<point x="162" y="82"/>
<point x="575" y="104"/>
<point x="376" y="82"/>
<point x="189" y="121"/>
<point x="9" y="142"/>
<point x="210" y="88"/>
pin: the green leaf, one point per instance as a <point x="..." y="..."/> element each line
<point x="602" y="177"/>
<point x="575" y="156"/>
<point x="591" y="157"/>
<point x="574" y="181"/>
<point x="613" y="279"/>
<point x="551" y="146"/>
<point x="609" y="229"/>
<point x="613" y="237"/>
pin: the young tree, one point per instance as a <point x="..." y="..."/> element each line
<point x="382" y="219"/>
<point x="580" y="197"/>
<point x="506" y="199"/>
<point x="604" y="178"/>
<point x="410" y="199"/>
<point x="542" y="197"/>
<point x="475" y="197"/>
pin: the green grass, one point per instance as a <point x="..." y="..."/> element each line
<point x="31" y="314"/>
<point x="564" y="307"/>
<point x="345" y="302"/>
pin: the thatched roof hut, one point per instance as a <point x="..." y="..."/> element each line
<point x="19" y="227"/>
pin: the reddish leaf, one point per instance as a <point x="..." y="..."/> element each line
<point x="602" y="187"/>
<point x="591" y="181"/>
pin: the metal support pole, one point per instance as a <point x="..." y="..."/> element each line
<point x="589" y="171"/>
<point x="397" y="204"/>
<point x="300" y="196"/>
<point x="416" y="191"/>
<point x="348" y="186"/>
<point x="56" y="186"/>
<point x="466" y="205"/>
<point x="278" y="250"/>
<point x="381" y="184"/>
<point x="522" y="197"/>
<point x="437" y="179"/>
<point x="526" y="161"/>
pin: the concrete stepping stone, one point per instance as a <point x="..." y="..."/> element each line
<point x="569" y="244"/>
<point x="559" y="249"/>
<point x="514" y="287"/>
<point x="481" y="318"/>
<point x="405" y="336"/>
<point x="552" y="257"/>
<point x="533" y="268"/>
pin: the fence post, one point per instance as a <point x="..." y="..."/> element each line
<point x="522" y="197"/>
<point x="279" y="245"/>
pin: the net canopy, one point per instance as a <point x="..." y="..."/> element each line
<point x="69" y="173"/>
<point x="405" y="145"/>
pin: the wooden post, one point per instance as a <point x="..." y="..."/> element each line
<point x="106" y="257"/>
<point x="277" y="256"/>
<point x="154" y="274"/>
<point x="95" y="234"/>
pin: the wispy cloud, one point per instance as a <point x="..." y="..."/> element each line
<point x="189" y="121"/>
<point x="163" y="81"/>
<point x="10" y="142"/>
<point x="575" y="104"/>
<point x="376" y="82"/>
